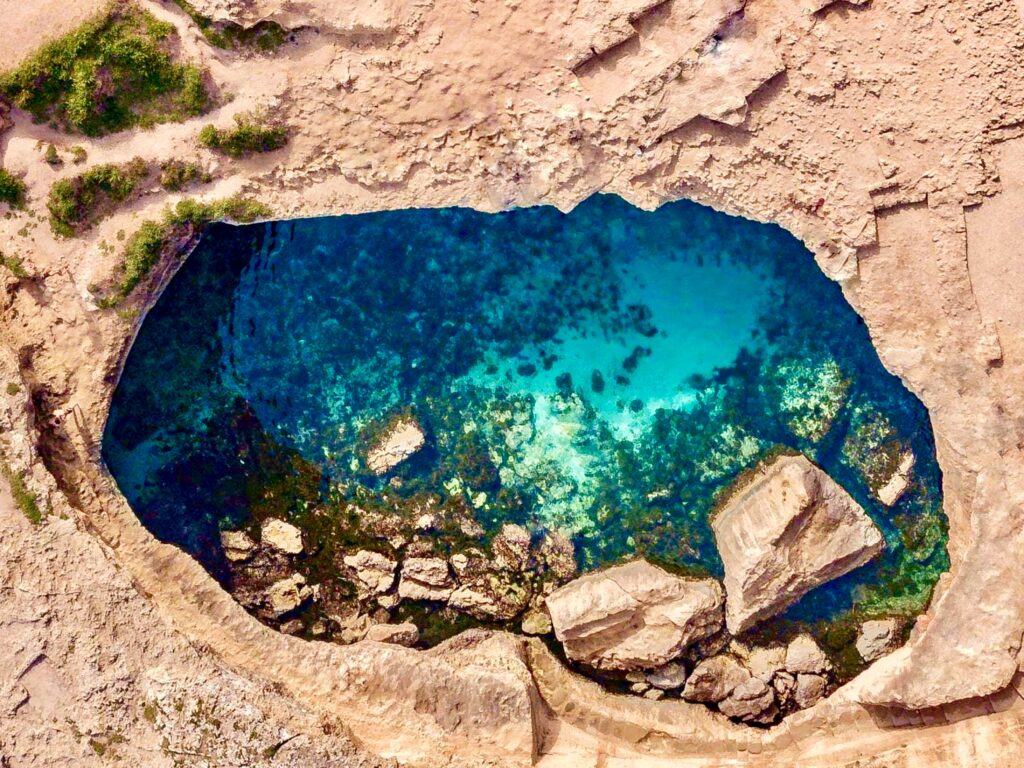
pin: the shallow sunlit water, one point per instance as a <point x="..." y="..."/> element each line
<point x="604" y="373"/>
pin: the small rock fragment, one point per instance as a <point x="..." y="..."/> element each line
<point x="288" y="594"/>
<point x="654" y="694"/>
<point x="282" y="536"/>
<point x="425" y="578"/>
<point x="878" y="638"/>
<point x="374" y="572"/>
<point x="764" y="661"/>
<point x="749" y="700"/>
<point x="237" y="545"/>
<point x="536" y="622"/>
<point x="671" y="675"/>
<point x="810" y="689"/>
<point x="405" y="634"/>
<point x="804" y="655"/>
<point x="896" y="485"/>
<point x="714" y="679"/>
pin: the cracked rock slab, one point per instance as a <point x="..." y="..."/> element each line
<point x="633" y="616"/>
<point x="790" y="529"/>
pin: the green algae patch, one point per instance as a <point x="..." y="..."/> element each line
<point x="114" y="72"/>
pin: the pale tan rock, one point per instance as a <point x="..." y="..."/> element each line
<point x="399" y="634"/>
<point x="288" y="594"/>
<point x="804" y="655"/>
<point x="715" y="678"/>
<point x="490" y="597"/>
<point x="633" y="616"/>
<point x="425" y="578"/>
<point x="789" y="529"/>
<point x="667" y="677"/>
<point x="764" y="661"/>
<point x="402" y="440"/>
<point x="896" y="485"/>
<point x="810" y="689"/>
<point x="749" y="700"/>
<point x="877" y="638"/>
<point x="374" y="572"/>
<point x="238" y="546"/>
<point x="536" y="622"/>
<point x="282" y="536"/>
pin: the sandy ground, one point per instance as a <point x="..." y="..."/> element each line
<point x="886" y="135"/>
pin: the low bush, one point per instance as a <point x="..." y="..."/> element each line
<point x="177" y="174"/>
<point x="114" y="72"/>
<point x="12" y="189"/>
<point x="251" y="134"/>
<point x="263" y="36"/>
<point x="178" y="225"/>
<point x="14" y="265"/>
<point x="24" y="499"/>
<point x="77" y="203"/>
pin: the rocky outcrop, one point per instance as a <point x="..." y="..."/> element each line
<point x="803" y="655"/>
<point x="399" y="634"/>
<point x="714" y="679"/>
<point x="400" y="441"/>
<point x="288" y="594"/>
<point x="425" y="578"/>
<point x="282" y="536"/>
<point x="633" y="616"/>
<point x="788" y="530"/>
<point x="878" y="638"/>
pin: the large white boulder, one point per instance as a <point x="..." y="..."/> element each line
<point x="633" y="616"/>
<point x="788" y="530"/>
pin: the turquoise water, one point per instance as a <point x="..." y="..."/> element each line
<point x="605" y="373"/>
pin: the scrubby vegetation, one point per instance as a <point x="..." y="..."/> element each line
<point x="78" y="155"/>
<point x="263" y="36"/>
<point x="251" y="134"/>
<point x="75" y="204"/>
<point x="12" y="189"/>
<point x="177" y="174"/>
<point x="179" y="224"/>
<point x="114" y="72"/>
<point x="13" y="263"/>
<point x="24" y="499"/>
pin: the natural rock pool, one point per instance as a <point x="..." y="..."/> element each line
<point x="599" y="378"/>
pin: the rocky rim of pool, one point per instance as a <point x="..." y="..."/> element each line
<point x="397" y="426"/>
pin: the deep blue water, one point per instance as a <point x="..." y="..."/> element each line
<point x="605" y="373"/>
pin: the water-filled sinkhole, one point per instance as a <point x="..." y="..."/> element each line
<point x="606" y="374"/>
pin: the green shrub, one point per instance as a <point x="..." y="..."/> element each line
<point x="51" y="156"/>
<point x="176" y="174"/>
<point x="248" y="136"/>
<point x="24" y="499"/>
<point x="263" y="36"/>
<point x="13" y="263"/>
<point x="76" y="204"/>
<point x="12" y="189"/>
<point x="179" y="224"/>
<point x="78" y="155"/>
<point x="112" y="73"/>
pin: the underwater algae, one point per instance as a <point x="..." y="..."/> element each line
<point x="606" y="374"/>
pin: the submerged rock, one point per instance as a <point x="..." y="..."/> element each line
<point x="897" y="484"/>
<point x="878" y="638"/>
<point x="791" y="529"/>
<point x="401" y="440"/>
<point x="633" y="616"/>
<point x="282" y="536"/>
<point x="237" y="545"/>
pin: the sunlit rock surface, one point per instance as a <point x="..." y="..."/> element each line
<point x="788" y="530"/>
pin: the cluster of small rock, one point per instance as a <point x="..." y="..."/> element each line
<point x="787" y="530"/>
